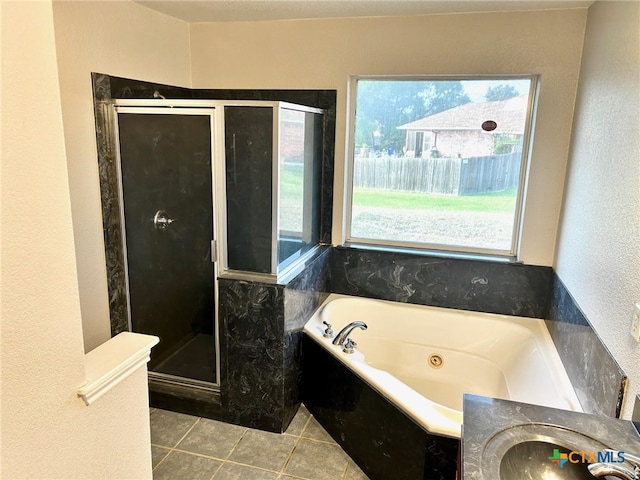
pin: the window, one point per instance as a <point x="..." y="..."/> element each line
<point x="300" y="156"/>
<point x="438" y="163"/>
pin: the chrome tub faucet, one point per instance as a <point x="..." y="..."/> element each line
<point x="343" y="335"/>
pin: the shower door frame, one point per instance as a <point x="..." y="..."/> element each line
<point x="177" y="107"/>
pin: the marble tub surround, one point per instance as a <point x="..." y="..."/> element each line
<point x="384" y="443"/>
<point x="252" y="353"/>
<point x="484" y="417"/>
<point x="302" y="296"/>
<point x="261" y="334"/>
<point x="483" y="286"/>
<point x="597" y="378"/>
<point x="511" y="289"/>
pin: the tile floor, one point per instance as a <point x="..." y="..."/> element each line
<point x="185" y="447"/>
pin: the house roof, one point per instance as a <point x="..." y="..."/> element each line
<point x="509" y="115"/>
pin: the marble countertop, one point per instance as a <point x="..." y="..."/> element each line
<point x="485" y="417"/>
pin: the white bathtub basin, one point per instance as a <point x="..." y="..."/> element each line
<point x="424" y="359"/>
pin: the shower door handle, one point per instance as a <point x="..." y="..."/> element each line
<point x="161" y="220"/>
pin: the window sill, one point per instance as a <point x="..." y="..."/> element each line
<point x="434" y="253"/>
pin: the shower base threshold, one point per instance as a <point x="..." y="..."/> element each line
<point x="196" y="360"/>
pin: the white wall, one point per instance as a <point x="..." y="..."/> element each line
<point x="599" y="242"/>
<point x="318" y="54"/>
<point x="47" y="431"/>
<point x="119" y="38"/>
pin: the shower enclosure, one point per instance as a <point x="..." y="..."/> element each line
<point x="208" y="189"/>
<point x="167" y="206"/>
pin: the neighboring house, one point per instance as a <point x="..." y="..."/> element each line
<point x="458" y="132"/>
<point x="292" y="123"/>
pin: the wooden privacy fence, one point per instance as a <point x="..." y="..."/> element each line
<point x="446" y="176"/>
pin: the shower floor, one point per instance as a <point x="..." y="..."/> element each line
<point x="196" y="359"/>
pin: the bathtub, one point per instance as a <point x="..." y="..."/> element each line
<point x="423" y="359"/>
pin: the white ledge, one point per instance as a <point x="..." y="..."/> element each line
<point x="113" y="361"/>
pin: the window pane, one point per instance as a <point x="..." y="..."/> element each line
<point x="292" y="130"/>
<point x="438" y="162"/>
<point x="299" y="177"/>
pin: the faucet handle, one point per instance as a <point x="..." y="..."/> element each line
<point x="349" y="345"/>
<point x="328" y="331"/>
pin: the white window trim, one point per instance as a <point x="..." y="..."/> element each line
<point x="512" y="255"/>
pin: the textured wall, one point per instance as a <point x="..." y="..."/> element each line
<point x="323" y="53"/>
<point x="118" y="38"/>
<point x="599" y="243"/>
<point x="47" y="431"/>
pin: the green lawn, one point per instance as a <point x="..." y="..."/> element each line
<point x="291" y="178"/>
<point x="495" y="202"/>
<point x="503" y="202"/>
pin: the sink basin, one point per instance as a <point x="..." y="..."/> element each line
<point x="524" y="452"/>
<point x="503" y="439"/>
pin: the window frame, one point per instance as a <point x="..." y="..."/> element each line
<point x="513" y="253"/>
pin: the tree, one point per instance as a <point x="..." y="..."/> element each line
<point x="500" y="92"/>
<point x="383" y="105"/>
<point x="443" y="95"/>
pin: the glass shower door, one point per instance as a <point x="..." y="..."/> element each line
<point x="166" y="180"/>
